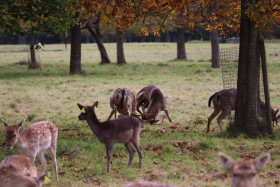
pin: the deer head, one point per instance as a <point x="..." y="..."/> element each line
<point x="148" y="116"/>
<point x="243" y="173"/>
<point x="12" y="134"/>
<point x="274" y="116"/>
<point x="86" y="109"/>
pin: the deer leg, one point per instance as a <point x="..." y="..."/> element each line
<point x="221" y="117"/>
<point x="109" y="152"/>
<point x="112" y="112"/>
<point x="137" y="146"/>
<point x="115" y="109"/>
<point x="167" y="113"/>
<point x="53" y="156"/>
<point x="212" y="116"/>
<point x="43" y="161"/>
<point x="131" y="152"/>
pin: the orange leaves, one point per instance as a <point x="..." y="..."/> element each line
<point x="144" y="31"/>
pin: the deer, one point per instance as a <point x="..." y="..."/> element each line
<point x="224" y="103"/>
<point x="34" y="140"/>
<point x="123" y="101"/>
<point x="157" y="103"/>
<point x="142" y="98"/>
<point x="18" y="171"/>
<point x="243" y="173"/>
<point x="124" y="130"/>
<point x="142" y="183"/>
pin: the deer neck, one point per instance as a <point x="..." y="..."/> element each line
<point x="94" y="123"/>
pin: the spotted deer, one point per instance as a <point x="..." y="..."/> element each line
<point x="19" y="171"/>
<point x="224" y="103"/>
<point x="34" y="140"/>
<point x="123" y="101"/>
<point x="142" y="183"/>
<point x="157" y="103"/>
<point x="124" y="130"/>
<point x="243" y="173"/>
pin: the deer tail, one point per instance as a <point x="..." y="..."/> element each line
<point x="210" y="99"/>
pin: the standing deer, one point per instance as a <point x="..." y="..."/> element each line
<point x="34" y="140"/>
<point x="224" y="103"/>
<point x="142" y="98"/>
<point x="243" y="173"/>
<point x="157" y="103"/>
<point x="123" y="101"/>
<point x="19" y="171"/>
<point x="124" y="130"/>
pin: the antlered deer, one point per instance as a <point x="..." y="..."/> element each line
<point x="224" y="103"/>
<point x="124" y="130"/>
<point x="34" y="140"/>
<point x="123" y="101"/>
<point x="19" y="171"/>
<point x="157" y="103"/>
<point x="243" y="173"/>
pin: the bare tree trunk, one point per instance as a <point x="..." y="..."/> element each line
<point x="98" y="38"/>
<point x="120" y="50"/>
<point x="215" y="49"/>
<point x="75" y="57"/>
<point x="180" y="38"/>
<point x="33" y="62"/>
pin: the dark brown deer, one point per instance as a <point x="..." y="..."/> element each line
<point x="124" y="130"/>
<point x="243" y="173"/>
<point x="157" y="103"/>
<point x="123" y="101"/>
<point x="224" y="103"/>
<point x="19" y="171"/>
<point x="142" y="98"/>
<point x="34" y="140"/>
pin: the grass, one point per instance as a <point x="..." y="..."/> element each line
<point x="179" y="153"/>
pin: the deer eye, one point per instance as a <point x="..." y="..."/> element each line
<point x="235" y="175"/>
<point x="253" y="174"/>
<point x="14" y="136"/>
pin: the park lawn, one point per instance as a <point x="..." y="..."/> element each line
<point x="179" y="153"/>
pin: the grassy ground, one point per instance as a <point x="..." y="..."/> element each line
<point x="179" y="153"/>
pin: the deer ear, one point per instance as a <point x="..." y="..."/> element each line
<point x="80" y="106"/>
<point x="225" y="160"/>
<point x="276" y="111"/>
<point x="95" y="104"/>
<point x="5" y="123"/>
<point x="20" y="123"/>
<point x="261" y="161"/>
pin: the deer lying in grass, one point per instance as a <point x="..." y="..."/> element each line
<point x="224" y="103"/>
<point x="124" y="130"/>
<point x="157" y="103"/>
<point x="34" y="140"/>
<point x="123" y="101"/>
<point x="142" y="183"/>
<point x="243" y="173"/>
<point x="19" y="171"/>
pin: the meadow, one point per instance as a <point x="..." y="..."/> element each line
<point x="180" y="152"/>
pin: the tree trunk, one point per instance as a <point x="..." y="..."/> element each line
<point x="180" y="38"/>
<point x="98" y="38"/>
<point x="75" y="57"/>
<point x="247" y="99"/>
<point x="120" y="50"/>
<point x="215" y="49"/>
<point x="33" y="64"/>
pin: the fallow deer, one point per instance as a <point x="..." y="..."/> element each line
<point x="224" y="103"/>
<point x="157" y="103"/>
<point x="142" y="183"/>
<point x="34" y="140"/>
<point x="123" y="101"/>
<point x="142" y="98"/>
<point x="124" y="130"/>
<point x="19" y="171"/>
<point x="243" y="173"/>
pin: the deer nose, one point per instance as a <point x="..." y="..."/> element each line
<point x="8" y="147"/>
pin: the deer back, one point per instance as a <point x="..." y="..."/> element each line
<point x="225" y="99"/>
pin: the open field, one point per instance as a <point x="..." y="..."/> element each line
<point x="179" y="153"/>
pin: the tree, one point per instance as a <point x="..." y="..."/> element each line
<point x="180" y="40"/>
<point x="120" y="50"/>
<point x="75" y="56"/>
<point x="214" y="36"/>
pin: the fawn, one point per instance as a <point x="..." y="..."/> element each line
<point x="123" y="101"/>
<point x="224" y="103"/>
<point x="34" y="140"/>
<point x="243" y="173"/>
<point x="157" y="103"/>
<point x="18" y="171"/>
<point x="124" y="130"/>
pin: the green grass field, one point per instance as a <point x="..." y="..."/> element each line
<point x="179" y="153"/>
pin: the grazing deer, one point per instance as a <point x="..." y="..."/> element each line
<point x="224" y="103"/>
<point x="157" y="103"/>
<point x="243" y="173"/>
<point x="123" y="101"/>
<point x="34" y="140"/>
<point x="142" y="98"/>
<point x="124" y="130"/>
<point x="142" y="183"/>
<point x="19" y="171"/>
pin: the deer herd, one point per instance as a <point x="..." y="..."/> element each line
<point x="34" y="140"/>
